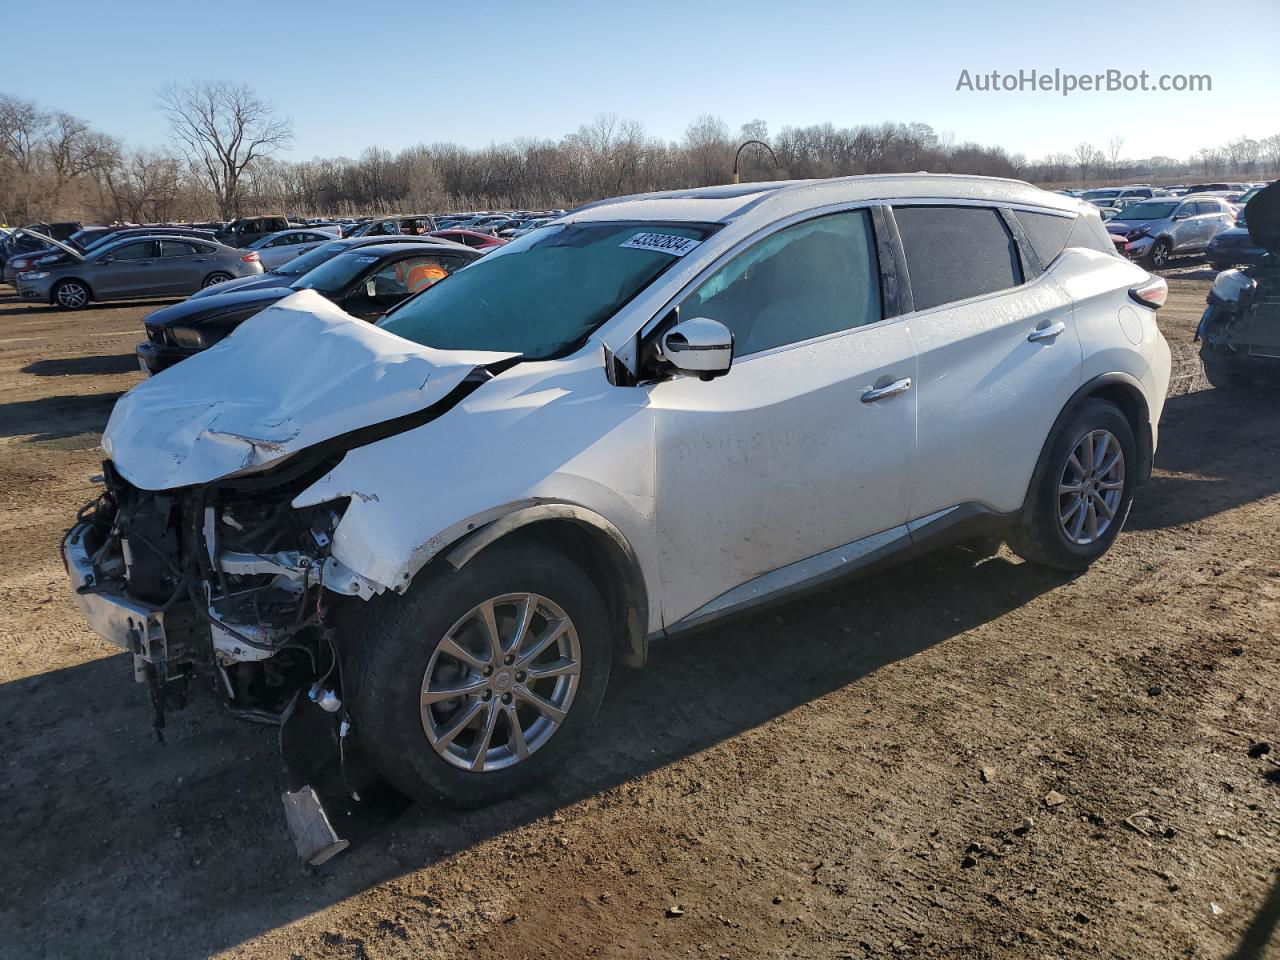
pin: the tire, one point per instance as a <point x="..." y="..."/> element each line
<point x="215" y="278"/>
<point x="396" y="640"/>
<point x="1159" y="254"/>
<point x="1222" y="369"/>
<point x="1041" y="534"/>
<point x="71" y="295"/>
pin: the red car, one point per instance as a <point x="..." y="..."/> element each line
<point x="472" y="238"/>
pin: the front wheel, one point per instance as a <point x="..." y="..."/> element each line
<point x="71" y="295"/>
<point x="1159" y="255"/>
<point x="480" y="681"/>
<point x="1081" y="490"/>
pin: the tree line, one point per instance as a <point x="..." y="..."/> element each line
<point x="224" y="160"/>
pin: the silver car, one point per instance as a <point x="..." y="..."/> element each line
<point x="136" y="267"/>
<point x="1163" y="227"/>
<point x="277" y="249"/>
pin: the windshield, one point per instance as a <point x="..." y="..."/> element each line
<point x="543" y="293"/>
<point x="1101" y="194"/>
<point x="1148" y="210"/>
<point x="333" y="277"/>
<point x="311" y="259"/>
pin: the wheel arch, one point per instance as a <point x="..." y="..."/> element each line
<point x="1125" y="392"/>
<point x="53" y="290"/>
<point x="594" y="543"/>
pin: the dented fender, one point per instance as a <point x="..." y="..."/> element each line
<point x="521" y="440"/>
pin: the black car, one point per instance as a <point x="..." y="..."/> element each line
<point x="246" y="230"/>
<point x="366" y="283"/>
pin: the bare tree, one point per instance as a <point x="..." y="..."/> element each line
<point x="1114" y="146"/>
<point x="1086" y="155"/>
<point x="1271" y="152"/>
<point x="223" y="128"/>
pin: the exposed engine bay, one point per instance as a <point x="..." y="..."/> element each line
<point x="228" y="582"/>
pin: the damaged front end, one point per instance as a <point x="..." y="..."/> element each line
<point x="229" y="586"/>
<point x="1240" y="328"/>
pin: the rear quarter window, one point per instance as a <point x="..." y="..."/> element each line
<point x="954" y="253"/>
<point x="1047" y="232"/>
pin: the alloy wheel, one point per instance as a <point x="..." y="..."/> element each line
<point x="1159" y="255"/>
<point x="500" y="682"/>
<point x="1091" y="487"/>
<point x="72" y="296"/>
<point x="215" y="279"/>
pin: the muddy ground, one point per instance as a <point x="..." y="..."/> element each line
<point x="808" y="783"/>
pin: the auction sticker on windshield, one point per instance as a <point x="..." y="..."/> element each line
<point x="661" y="242"/>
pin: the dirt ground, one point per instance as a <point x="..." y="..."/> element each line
<point x="860" y="774"/>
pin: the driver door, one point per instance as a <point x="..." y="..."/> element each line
<point x="805" y="445"/>
<point x="131" y="272"/>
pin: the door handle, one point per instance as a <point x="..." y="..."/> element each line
<point x="199" y="259"/>
<point x="1047" y="333"/>
<point x="892" y="390"/>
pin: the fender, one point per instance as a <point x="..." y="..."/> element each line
<point x="631" y="602"/>
<point x="1132" y="387"/>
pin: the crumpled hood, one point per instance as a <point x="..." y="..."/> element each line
<point x="299" y="372"/>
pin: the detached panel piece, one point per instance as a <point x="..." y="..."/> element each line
<point x="309" y="826"/>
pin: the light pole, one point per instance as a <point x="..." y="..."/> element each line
<point x="747" y="143"/>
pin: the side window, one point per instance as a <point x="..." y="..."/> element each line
<point x="954" y="253"/>
<point x="814" y="278"/>
<point x="1185" y="210"/>
<point x="1048" y="233"/>
<point x="138" y="250"/>
<point x="392" y="283"/>
<point x="177" y="248"/>
<point x="1208" y="206"/>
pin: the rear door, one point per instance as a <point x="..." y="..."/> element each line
<point x="181" y="267"/>
<point x="998" y="352"/>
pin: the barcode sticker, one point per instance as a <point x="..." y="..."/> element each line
<point x="662" y="243"/>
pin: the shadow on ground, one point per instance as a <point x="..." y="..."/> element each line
<point x="56" y="418"/>
<point x="111" y="837"/>
<point x="83" y="366"/>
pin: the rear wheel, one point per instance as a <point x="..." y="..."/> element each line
<point x="71" y="295"/>
<point x="1081" y="491"/>
<point x="215" y="278"/>
<point x="480" y="681"/>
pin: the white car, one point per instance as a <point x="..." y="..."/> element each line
<point x="658" y="412"/>
<point x="277" y="249"/>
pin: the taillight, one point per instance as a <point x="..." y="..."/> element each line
<point x="251" y="257"/>
<point x="1151" y="293"/>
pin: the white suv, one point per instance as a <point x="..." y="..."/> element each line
<point x="654" y="413"/>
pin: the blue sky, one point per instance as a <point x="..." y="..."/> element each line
<point x="398" y="73"/>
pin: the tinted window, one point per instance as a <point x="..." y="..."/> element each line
<point x="177" y="248"/>
<point x="954" y="253"/>
<point x="812" y="279"/>
<point x="1093" y="237"/>
<point x="1208" y="206"/>
<point x="1048" y="234"/>
<point x="312" y="259"/>
<point x="138" y="250"/>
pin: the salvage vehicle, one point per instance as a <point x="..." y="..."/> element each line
<point x="289" y="272"/>
<point x="439" y="533"/>
<point x="247" y="230"/>
<point x="277" y="249"/>
<point x="365" y="282"/>
<point x="1239" y="332"/>
<point x="86" y="242"/>
<point x="1159" y="229"/>
<point x="160" y="266"/>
